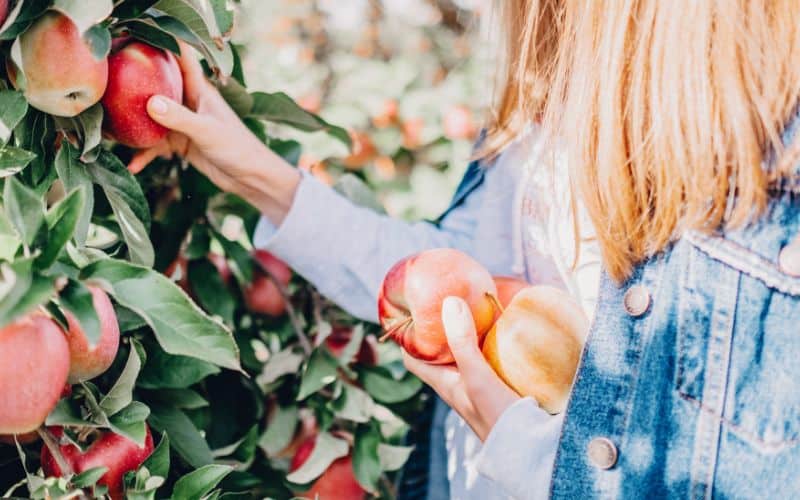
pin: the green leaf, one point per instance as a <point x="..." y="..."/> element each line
<point x="326" y="450"/>
<point x="22" y="290"/>
<point x="21" y="17"/>
<point x="158" y="462"/>
<point x="128" y="9"/>
<point x="281" y="363"/>
<point x="320" y="371"/>
<point x="98" y="38"/>
<point x="280" y="108"/>
<point x="61" y="219"/>
<point x="212" y="293"/>
<point x="198" y="17"/>
<point x="85" y="13"/>
<point x="91" y="128"/>
<point x="14" y="160"/>
<point x="130" y="422"/>
<point x="25" y="209"/>
<point x="240" y="258"/>
<point x="280" y="430"/>
<point x="386" y="389"/>
<point x="357" y="191"/>
<point x="354" y="404"/>
<point x="223" y="15"/>
<point x="89" y="477"/>
<point x="289" y="150"/>
<point x="393" y="457"/>
<point x="164" y="371"/>
<point x="150" y="32"/>
<point x="77" y="299"/>
<point x="128" y="203"/>
<point x="127" y="319"/>
<point x="185" y="439"/>
<point x="13" y="107"/>
<point x="121" y="394"/>
<point x="179" y="325"/>
<point x="185" y="399"/>
<point x="75" y="176"/>
<point x="366" y="463"/>
<point x="200" y="482"/>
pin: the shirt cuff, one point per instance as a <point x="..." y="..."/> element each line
<point x="520" y="451"/>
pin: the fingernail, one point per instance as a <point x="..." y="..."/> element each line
<point x="158" y="105"/>
<point x="452" y="306"/>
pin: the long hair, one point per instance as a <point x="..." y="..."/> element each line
<point x="666" y="110"/>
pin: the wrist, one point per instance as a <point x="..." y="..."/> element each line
<point x="273" y="187"/>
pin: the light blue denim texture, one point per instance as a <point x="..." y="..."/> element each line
<point x="701" y="394"/>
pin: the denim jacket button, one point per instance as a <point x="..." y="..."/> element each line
<point x="789" y="259"/>
<point x="636" y="300"/>
<point x="602" y="453"/>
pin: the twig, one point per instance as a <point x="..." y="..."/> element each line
<point x="55" y="450"/>
<point x="294" y="319"/>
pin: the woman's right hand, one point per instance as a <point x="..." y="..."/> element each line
<point x="209" y="135"/>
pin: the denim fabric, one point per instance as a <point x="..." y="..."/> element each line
<point x="701" y="393"/>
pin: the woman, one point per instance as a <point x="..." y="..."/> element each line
<point x="674" y="116"/>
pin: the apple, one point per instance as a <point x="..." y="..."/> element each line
<point x="61" y="75"/>
<point x="306" y="429"/>
<point x="136" y="72"/>
<point x="458" y="123"/>
<point x="118" y="453"/>
<point x="88" y="362"/>
<point x="337" y="482"/>
<point x="340" y="337"/>
<point x="410" y="300"/>
<point x="536" y="344"/>
<point x="508" y="287"/>
<point x="34" y="364"/>
<point x="388" y="115"/>
<point x="363" y="151"/>
<point x="263" y="295"/>
<point x="3" y="11"/>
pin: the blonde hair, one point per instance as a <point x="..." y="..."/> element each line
<point x="667" y="111"/>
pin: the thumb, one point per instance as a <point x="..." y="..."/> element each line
<point x="459" y="326"/>
<point x="176" y="116"/>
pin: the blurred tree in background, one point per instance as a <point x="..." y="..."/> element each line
<point x="407" y="77"/>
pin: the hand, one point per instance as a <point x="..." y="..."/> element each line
<point x="471" y="388"/>
<point x="210" y="136"/>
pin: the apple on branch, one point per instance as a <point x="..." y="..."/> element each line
<point x="88" y="362"/>
<point x="337" y="482"/>
<point x="61" y="75"/>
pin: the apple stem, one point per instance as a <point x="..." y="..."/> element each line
<point x="297" y="325"/>
<point x="391" y="331"/>
<point x="496" y="303"/>
<point x="55" y="450"/>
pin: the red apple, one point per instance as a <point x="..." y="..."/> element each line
<point x="62" y="76"/>
<point x="508" y="287"/>
<point x="119" y="454"/>
<point x="88" y="362"/>
<point x="263" y="295"/>
<point x="34" y="364"/>
<point x="136" y="72"/>
<point x="536" y="344"/>
<point x="410" y="300"/>
<point x="458" y="123"/>
<point x="338" y="482"/>
<point x="340" y="337"/>
<point x="3" y="11"/>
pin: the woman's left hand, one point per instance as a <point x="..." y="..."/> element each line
<point x="471" y="388"/>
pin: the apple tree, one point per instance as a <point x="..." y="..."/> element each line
<point x="147" y="350"/>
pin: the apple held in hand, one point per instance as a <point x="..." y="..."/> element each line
<point x="34" y="363"/>
<point x="263" y="295"/>
<point x="88" y="362"/>
<point x="338" y="482"/>
<point x="536" y="345"/>
<point x="119" y="454"/>
<point x="61" y="75"/>
<point x="136" y="72"/>
<point x="508" y="287"/>
<point x="410" y="300"/>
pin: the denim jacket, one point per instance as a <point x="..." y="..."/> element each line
<point x="689" y="386"/>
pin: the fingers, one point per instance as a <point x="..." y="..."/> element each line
<point x="177" y="117"/>
<point x="459" y="326"/>
<point x="143" y="158"/>
<point x="194" y="80"/>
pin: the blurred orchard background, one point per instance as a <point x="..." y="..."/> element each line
<point x="408" y="78"/>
